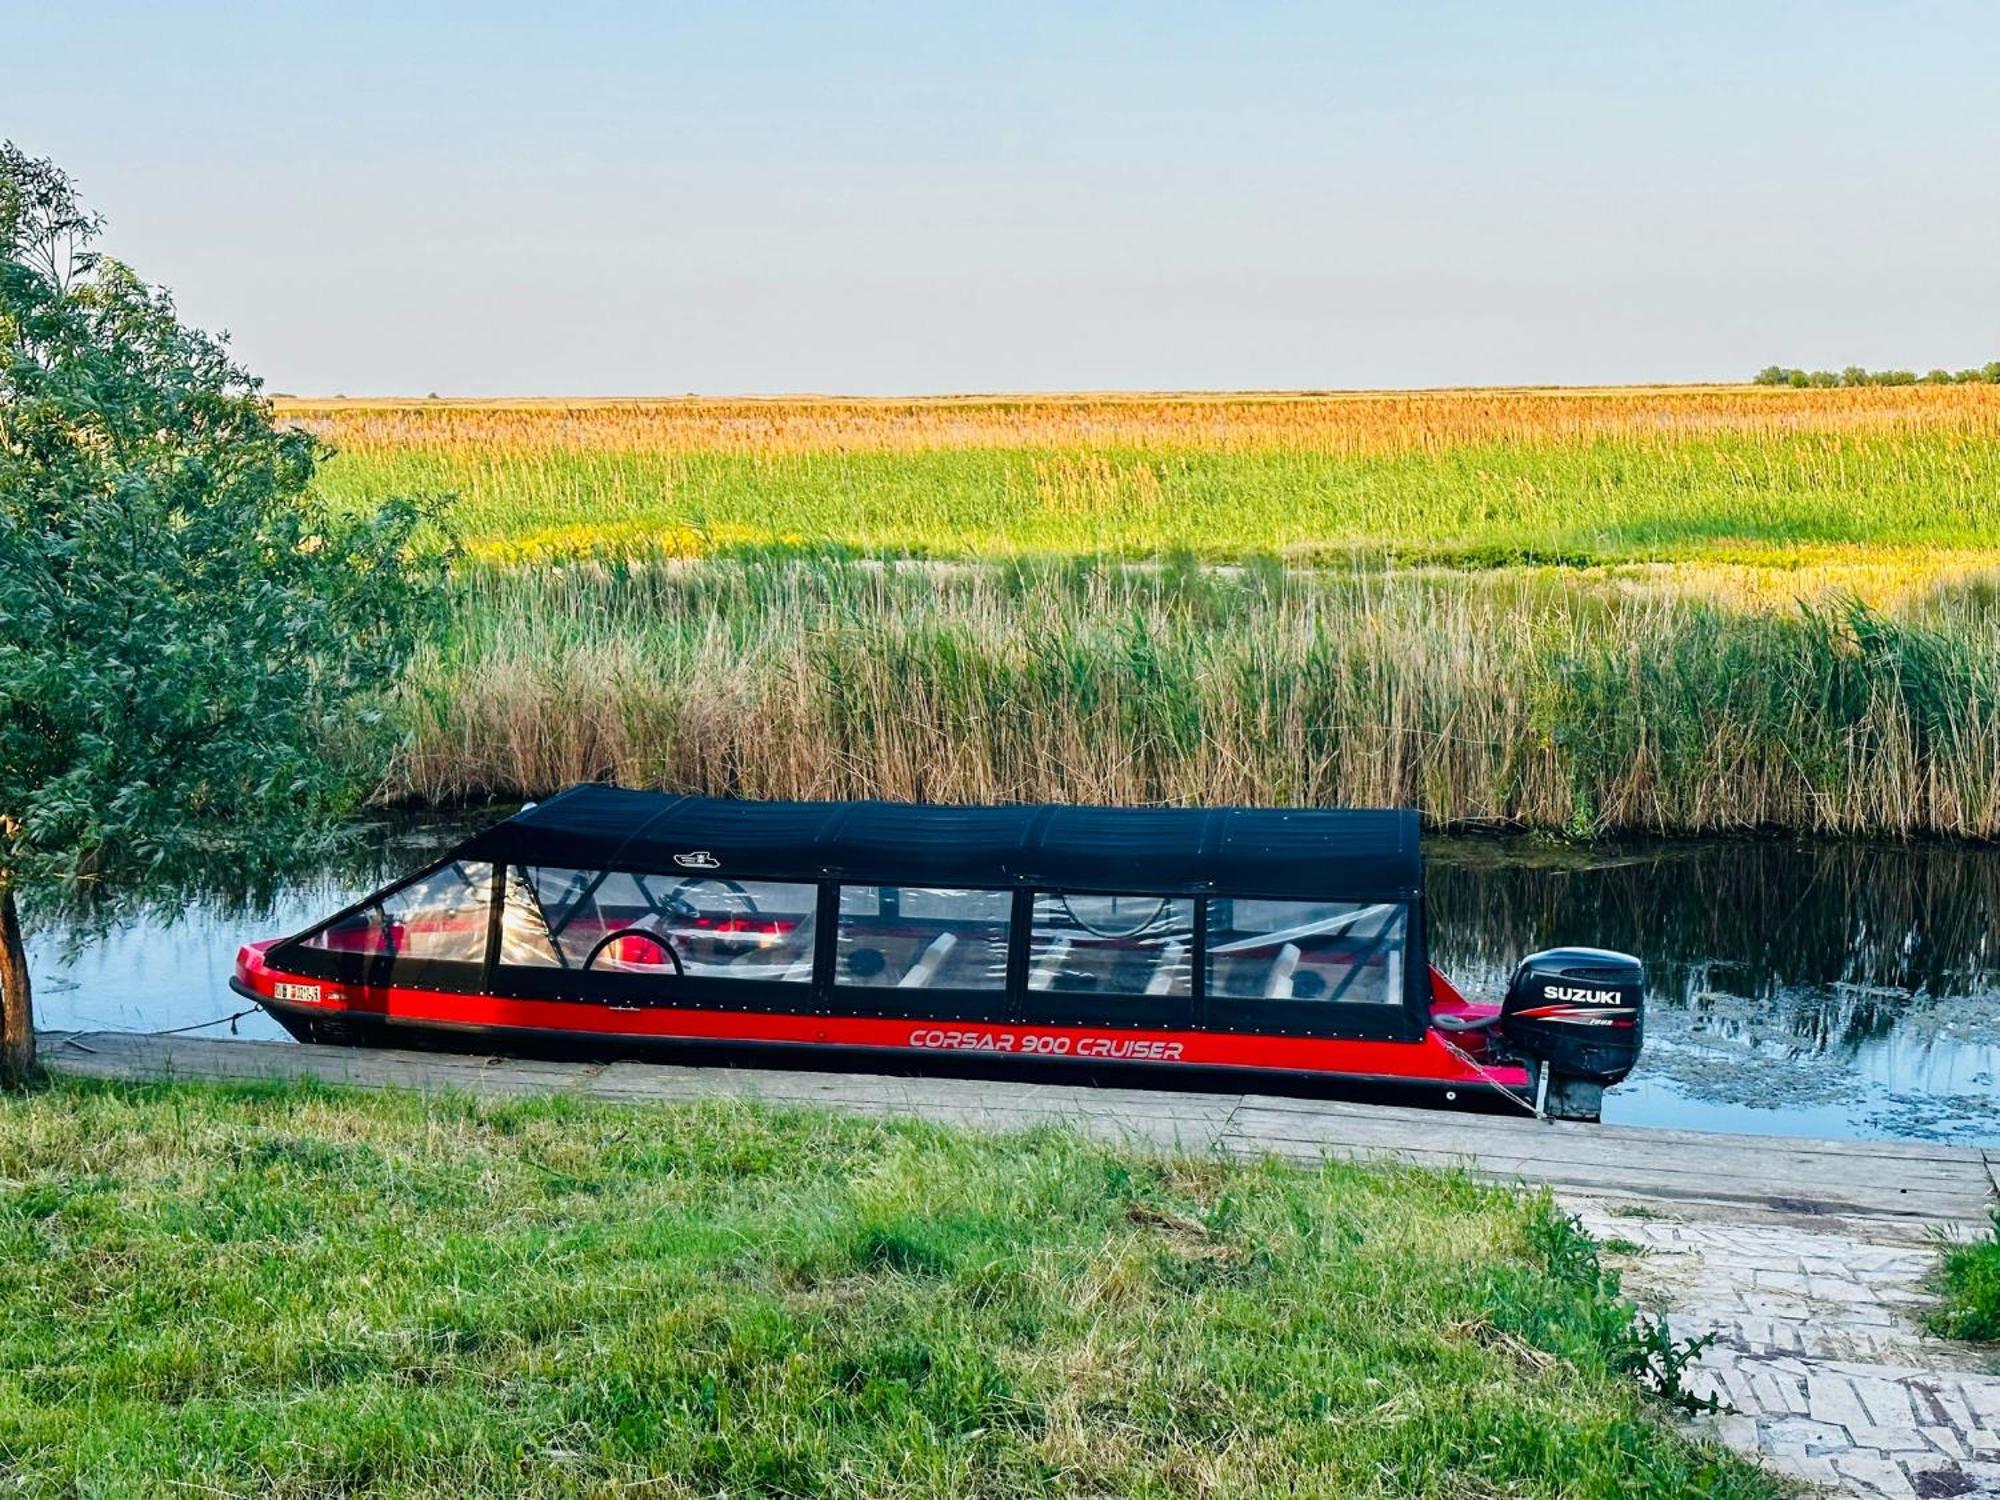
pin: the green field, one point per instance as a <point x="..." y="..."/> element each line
<point x="1742" y="499"/>
<point x="1680" y="610"/>
<point x="1568" y="487"/>
<point x="303" y="1292"/>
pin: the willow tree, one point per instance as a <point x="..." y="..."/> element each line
<point x="184" y="628"/>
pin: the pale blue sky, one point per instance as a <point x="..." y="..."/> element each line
<point x="902" y="198"/>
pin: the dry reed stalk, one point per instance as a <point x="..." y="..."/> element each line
<point x="1479" y="701"/>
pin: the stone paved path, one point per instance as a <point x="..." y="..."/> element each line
<point x="1818" y="1352"/>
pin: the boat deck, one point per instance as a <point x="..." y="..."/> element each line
<point x="1916" y="1183"/>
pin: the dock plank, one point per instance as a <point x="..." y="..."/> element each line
<point x="1903" y="1181"/>
<point x="1844" y="1198"/>
<point x="1775" y="1157"/>
<point x="1648" y="1134"/>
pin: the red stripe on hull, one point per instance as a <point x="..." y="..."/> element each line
<point x="1427" y="1061"/>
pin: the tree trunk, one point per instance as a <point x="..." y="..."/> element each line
<point x="17" y="1016"/>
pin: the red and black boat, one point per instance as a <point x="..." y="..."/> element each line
<point x="1284" y="944"/>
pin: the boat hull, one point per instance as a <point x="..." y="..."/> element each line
<point x="1429" y="1071"/>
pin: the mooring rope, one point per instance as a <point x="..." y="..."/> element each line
<point x="1480" y="1068"/>
<point x="250" y="1010"/>
<point x="68" y="1039"/>
<point x="205" y="1025"/>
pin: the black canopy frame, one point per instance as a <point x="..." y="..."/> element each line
<point x="1344" y="855"/>
<point x="1315" y="853"/>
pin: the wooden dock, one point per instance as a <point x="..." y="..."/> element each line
<point x="1913" y="1182"/>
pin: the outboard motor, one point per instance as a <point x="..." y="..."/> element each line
<point x="1577" y="1014"/>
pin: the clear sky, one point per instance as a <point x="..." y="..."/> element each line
<point x="547" y="198"/>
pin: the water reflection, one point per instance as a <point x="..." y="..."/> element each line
<point x="1847" y="990"/>
<point x="1803" y="988"/>
<point x="161" y="972"/>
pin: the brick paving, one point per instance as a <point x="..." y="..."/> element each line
<point x="1818" y="1356"/>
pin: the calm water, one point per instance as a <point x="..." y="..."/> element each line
<point x="1848" y="990"/>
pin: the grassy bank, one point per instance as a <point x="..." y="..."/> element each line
<point x="303" y="1292"/>
<point x="1470" y="478"/>
<point x="1968" y="1288"/>
<point x="1526" y="697"/>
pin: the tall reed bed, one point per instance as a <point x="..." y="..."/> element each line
<point x="1468" y="477"/>
<point x="1518" y="697"/>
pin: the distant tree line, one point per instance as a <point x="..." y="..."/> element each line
<point x="1986" y="374"/>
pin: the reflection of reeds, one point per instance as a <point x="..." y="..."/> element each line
<point x="1837" y="940"/>
<point x="1758" y="475"/>
<point x="1506" y="698"/>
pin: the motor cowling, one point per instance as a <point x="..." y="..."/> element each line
<point x="1579" y="1015"/>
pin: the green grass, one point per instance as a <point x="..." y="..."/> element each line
<point x="305" y="1292"/>
<point x="1599" y="501"/>
<point x="1968" y="1288"/>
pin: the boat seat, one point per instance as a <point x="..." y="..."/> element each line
<point x="749" y="966"/>
<point x="1167" y="970"/>
<point x="1283" y="967"/>
<point x="1049" y="964"/>
<point x="924" y="970"/>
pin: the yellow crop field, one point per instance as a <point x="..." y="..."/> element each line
<point x="1362" y="422"/>
<point x="1749" y="476"/>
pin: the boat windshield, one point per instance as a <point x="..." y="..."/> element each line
<point x="443" y="914"/>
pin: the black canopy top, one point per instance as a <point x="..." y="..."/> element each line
<point x="1329" y="854"/>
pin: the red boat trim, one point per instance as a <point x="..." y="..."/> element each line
<point x="1424" y="1061"/>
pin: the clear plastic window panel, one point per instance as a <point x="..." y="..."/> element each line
<point x="910" y="937"/>
<point x="1111" y="945"/>
<point x="524" y="931"/>
<point x="1322" y="952"/>
<point x="698" y="926"/>
<point x="442" y="915"/>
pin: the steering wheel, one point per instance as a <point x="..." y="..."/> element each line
<point x="635" y="931"/>
<point x="1150" y="919"/>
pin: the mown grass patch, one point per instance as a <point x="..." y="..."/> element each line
<point x="1967" y="1283"/>
<point x="300" y="1291"/>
